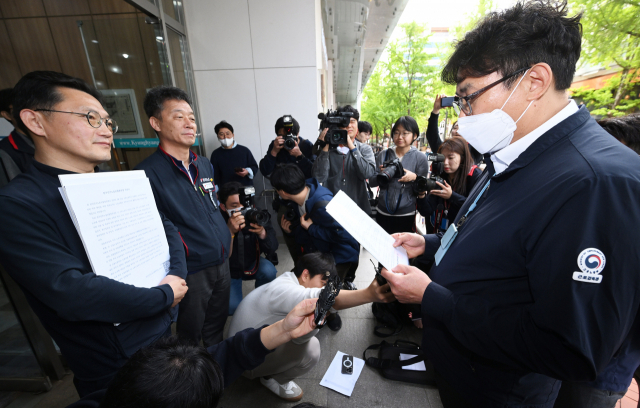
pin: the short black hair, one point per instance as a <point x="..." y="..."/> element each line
<point x="364" y="126"/>
<point x="317" y="263"/>
<point x="280" y="125"/>
<point x="6" y="99"/>
<point x="519" y="37"/>
<point x="227" y="190"/>
<point x="349" y="108"/>
<point x="158" y="95"/>
<point x="222" y="125"/>
<point x="169" y="373"/>
<point x="39" y="90"/>
<point x="408" y="123"/>
<point x="288" y="178"/>
<point x="625" y="128"/>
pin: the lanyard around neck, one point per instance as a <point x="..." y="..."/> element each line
<point x="473" y="205"/>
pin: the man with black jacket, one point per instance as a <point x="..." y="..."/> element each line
<point x="185" y="192"/>
<point x="301" y="155"/>
<point x="18" y="148"/>
<point x="97" y="322"/>
<point x="249" y="241"/>
<point x="539" y="284"/>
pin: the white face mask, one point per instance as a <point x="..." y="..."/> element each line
<point x="226" y="142"/>
<point x="490" y="132"/>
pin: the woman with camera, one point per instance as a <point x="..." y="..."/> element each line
<point x="399" y="166"/>
<point x="459" y="175"/>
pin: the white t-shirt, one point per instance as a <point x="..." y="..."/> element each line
<point x="271" y="303"/>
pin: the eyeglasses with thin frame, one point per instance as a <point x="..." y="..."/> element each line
<point x="93" y="117"/>
<point x="405" y="134"/>
<point x="463" y="103"/>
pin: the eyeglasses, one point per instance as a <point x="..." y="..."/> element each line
<point x="93" y="117"/>
<point x="405" y="134"/>
<point x="463" y="103"/>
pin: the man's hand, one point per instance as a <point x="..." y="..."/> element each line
<point x="295" y="152"/>
<point x="350" y="142"/>
<point x="243" y="173"/>
<point x="286" y="225"/>
<point x="235" y="223"/>
<point x="437" y="105"/>
<point x="305" y="222"/>
<point x="297" y="323"/>
<point x="278" y="143"/>
<point x="258" y="230"/>
<point x="178" y="286"/>
<point x="408" y="283"/>
<point x="412" y="243"/>
<point x="408" y="177"/>
<point x="444" y="192"/>
<point x="323" y="134"/>
<point x="380" y="294"/>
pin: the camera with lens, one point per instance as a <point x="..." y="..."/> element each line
<point x="290" y="211"/>
<point x="391" y="169"/>
<point x="424" y="184"/>
<point x="334" y="121"/>
<point x="289" y="137"/>
<point x="251" y="214"/>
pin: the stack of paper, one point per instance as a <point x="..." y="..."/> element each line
<point x="366" y="231"/>
<point x="119" y="224"/>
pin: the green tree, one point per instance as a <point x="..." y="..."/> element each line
<point x="602" y="102"/>
<point x="403" y="83"/>
<point x="611" y="35"/>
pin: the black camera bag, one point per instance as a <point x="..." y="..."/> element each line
<point x="390" y="366"/>
<point x="391" y="316"/>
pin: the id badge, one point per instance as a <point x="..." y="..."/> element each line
<point x="445" y="243"/>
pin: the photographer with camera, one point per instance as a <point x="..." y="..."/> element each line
<point x="288" y="147"/>
<point x="251" y="235"/>
<point x="433" y="134"/>
<point x="399" y="167"/>
<point x="453" y="176"/>
<point x="343" y="162"/>
<point x="231" y="161"/>
<point x="313" y="228"/>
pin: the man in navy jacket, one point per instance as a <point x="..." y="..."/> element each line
<point x="41" y="249"/>
<point x="184" y="189"/>
<point x="301" y="155"/>
<point x="540" y="284"/>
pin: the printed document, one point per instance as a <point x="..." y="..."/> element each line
<point x="366" y="231"/>
<point x="119" y="224"/>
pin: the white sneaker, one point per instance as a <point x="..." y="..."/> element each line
<point x="288" y="392"/>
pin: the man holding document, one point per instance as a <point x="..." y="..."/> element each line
<point x="97" y="322"/>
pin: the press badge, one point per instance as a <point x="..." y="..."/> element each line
<point x="446" y="241"/>
<point x="208" y="185"/>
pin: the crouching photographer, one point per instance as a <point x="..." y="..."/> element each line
<point x="453" y="175"/>
<point x="399" y="167"/>
<point x="252" y="234"/>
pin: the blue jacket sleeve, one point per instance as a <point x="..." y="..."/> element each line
<point x="176" y="249"/>
<point x="559" y="333"/>
<point x="268" y="162"/>
<point x="251" y="162"/>
<point x="34" y="253"/>
<point x="239" y="353"/>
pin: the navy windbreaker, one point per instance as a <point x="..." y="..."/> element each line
<point x="504" y="317"/>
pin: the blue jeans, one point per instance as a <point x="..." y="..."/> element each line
<point x="266" y="273"/>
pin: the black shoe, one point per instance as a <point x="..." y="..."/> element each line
<point x="349" y="286"/>
<point x="334" y="321"/>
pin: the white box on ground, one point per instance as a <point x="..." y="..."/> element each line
<point x="343" y="383"/>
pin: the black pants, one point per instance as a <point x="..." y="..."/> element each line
<point x="401" y="223"/>
<point x="205" y="307"/>
<point x="449" y="396"/>
<point x="347" y="271"/>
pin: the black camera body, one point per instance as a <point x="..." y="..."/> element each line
<point x="334" y="121"/>
<point x="391" y="169"/>
<point x="251" y="214"/>
<point x="289" y="137"/>
<point x="447" y="101"/>
<point x="424" y="184"/>
<point x="290" y="212"/>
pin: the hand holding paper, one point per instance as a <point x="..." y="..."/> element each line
<point x="366" y="231"/>
<point x="407" y="283"/>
